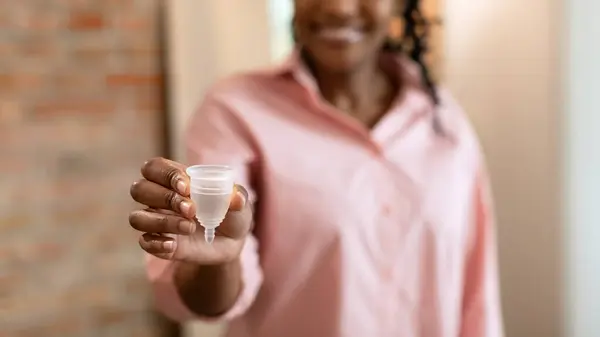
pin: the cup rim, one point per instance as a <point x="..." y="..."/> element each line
<point x="194" y="170"/>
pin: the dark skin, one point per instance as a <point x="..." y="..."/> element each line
<point x="342" y="40"/>
<point x="349" y="74"/>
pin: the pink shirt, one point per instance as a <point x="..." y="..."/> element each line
<point x="386" y="232"/>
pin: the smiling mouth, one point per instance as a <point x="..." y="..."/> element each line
<point x="340" y="35"/>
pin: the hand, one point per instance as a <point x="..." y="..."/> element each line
<point x="169" y="226"/>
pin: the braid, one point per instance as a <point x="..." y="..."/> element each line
<point x="414" y="43"/>
<point x="416" y="29"/>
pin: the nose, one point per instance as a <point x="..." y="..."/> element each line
<point x="341" y="8"/>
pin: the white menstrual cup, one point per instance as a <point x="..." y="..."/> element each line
<point x="210" y="188"/>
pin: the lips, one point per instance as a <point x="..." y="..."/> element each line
<point x="341" y="35"/>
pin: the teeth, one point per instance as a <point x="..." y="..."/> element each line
<point x="348" y="35"/>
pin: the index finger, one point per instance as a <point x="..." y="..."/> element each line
<point x="167" y="173"/>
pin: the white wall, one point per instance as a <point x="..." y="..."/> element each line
<point x="501" y="62"/>
<point x="582" y="167"/>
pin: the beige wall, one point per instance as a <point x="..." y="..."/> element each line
<point x="208" y="40"/>
<point x="500" y="62"/>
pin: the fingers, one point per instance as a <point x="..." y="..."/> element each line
<point x="157" y="196"/>
<point x="236" y="224"/>
<point x="155" y="222"/>
<point x="164" y="247"/>
<point x="160" y="246"/>
<point x="167" y="173"/>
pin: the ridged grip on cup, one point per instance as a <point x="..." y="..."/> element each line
<point x="210" y="179"/>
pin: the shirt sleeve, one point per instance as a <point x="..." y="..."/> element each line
<point x="214" y="136"/>
<point x="481" y="311"/>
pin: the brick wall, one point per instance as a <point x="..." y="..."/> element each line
<point x="79" y="113"/>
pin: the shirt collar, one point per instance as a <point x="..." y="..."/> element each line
<point x="406" y="70"/>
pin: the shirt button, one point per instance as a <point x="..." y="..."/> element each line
<point x="386" y="210"/>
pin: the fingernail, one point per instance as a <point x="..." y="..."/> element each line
<point x="244" y="199"/>
<point x="185" y="207"/>
<point x="241" y="190"/>
<point x="168" y="245"/>
<point x="181" y="187"/>
<point x="186" y="227"/>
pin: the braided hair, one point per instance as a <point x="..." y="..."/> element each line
<point x="414" y="43"/>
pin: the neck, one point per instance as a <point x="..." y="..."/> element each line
<point x="352" y="90"/>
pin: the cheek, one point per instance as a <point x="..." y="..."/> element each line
<point x="381" y="14"/>
<point x="302" y="14"/>
<point x="391" y="7"/>
<point x="303" y="6"/>
<point x="385" y="28"/>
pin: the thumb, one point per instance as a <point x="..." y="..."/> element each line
<point x="239" y="198"/>
<point x="238" y="221"/>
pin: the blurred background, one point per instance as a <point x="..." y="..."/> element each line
<point x="90" y="89"/>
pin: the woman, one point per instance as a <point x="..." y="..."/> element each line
<point x="362" y="207"/>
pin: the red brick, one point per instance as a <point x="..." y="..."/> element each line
<point x="11" y="113"/>
<point x="132" y="79"/>
<point x="91" y="56"/>
<point x="9" y="283"/>
<point x="5" y="254"/>
<point x="72" y="107"/>
<point x="5" y="20"/>
<point x="71" y="84"/>
<point x="145" y="105"/>
<point x="7" y="51"/>
<point x="134" y="23"/>
<point x="14" y="221"/>
<point x="62" y="326"/>
<point x="109" y="316"/>
<point x="148" y="99"/>
<point x="52" y="251"/>
<point x="40" y="20"/>
<point x="42" y="252"/>
<point x="74" y="216"/>
<point x="122" y="5"/>
<point x="95" y="294"/>
<point x="45" y="49"/>
<point x="79" y="113"/>
<point x="140" y="60"/>
<point x="12" y="164"/>
<point x="86" y="21"/>
<point x="17" y="83"/>
<point x="74" y="79"/>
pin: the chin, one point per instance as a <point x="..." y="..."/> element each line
<point x="337" y="60"/>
